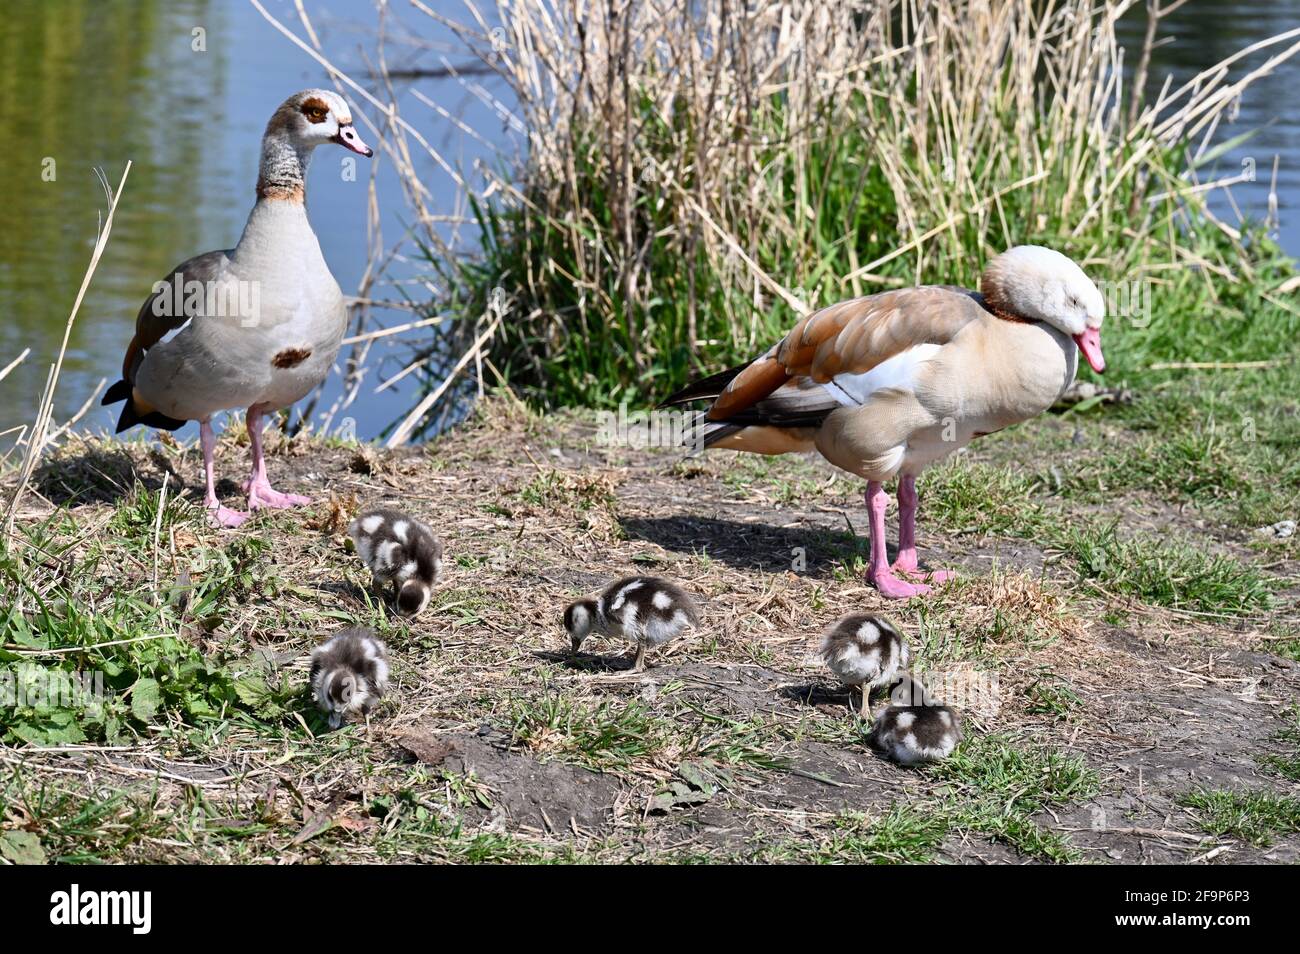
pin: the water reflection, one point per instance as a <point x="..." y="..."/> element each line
<point x="92" y="83"/>
<point x="87" y="84"/>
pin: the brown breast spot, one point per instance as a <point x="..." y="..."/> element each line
<point x="290" y="357"/>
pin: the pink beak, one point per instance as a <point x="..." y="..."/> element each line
<point x="1089" y="343"/>
<point x="348" y="138"/>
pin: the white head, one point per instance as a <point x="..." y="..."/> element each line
<point x="315" y="117"/>
<point x="302" y="122"/>
<point x="579" y="620"/>
<point x="1030" y="281"/>
<point x="339" y="690"/>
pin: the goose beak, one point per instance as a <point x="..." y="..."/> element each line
<point x="347" y="138"/>
<point x="1089" y="342"/>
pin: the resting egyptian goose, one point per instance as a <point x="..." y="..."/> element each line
<point x="256" y="326"/>
<point x="886" y="385"/>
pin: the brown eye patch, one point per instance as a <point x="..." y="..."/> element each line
<point x="315" y="110"/>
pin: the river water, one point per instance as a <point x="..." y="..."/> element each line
<point x="93" y="83"/>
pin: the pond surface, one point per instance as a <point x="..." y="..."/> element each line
<point x="93" y="83"/>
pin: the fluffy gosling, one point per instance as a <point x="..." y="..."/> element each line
<point x="645" y="610"/>
<point x="349" y="673"/>
<point x="400" y="550"/>
<point x="914" y="728"/>
<point x="865" y="652"/>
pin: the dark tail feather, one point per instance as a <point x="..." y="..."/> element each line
<point x="702" y="433"/>
<point x="154" y="419"/>
<point x="705" y="389"/>
<point x="121" y="391"/>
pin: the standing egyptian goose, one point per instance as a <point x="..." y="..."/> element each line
<point x="886" y="385"/>
<point x="256" y="326"/>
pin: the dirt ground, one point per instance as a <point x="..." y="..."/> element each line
<point x="496" y="744"/>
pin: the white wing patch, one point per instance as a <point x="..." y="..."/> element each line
<point x="897" y="372"/>
<point x="621" y="596"/>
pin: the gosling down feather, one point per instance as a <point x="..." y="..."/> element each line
<point x="401" y="551"/>
<point x="645" y="610"/>
<point x="349" y="673"/>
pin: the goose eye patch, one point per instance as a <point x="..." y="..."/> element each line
<point x="315" y="110"/>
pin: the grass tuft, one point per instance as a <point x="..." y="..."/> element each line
<point x="1254" y="817"/>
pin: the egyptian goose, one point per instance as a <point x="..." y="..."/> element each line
<point x="272" y="314"/>
<point x="644" y="610"/>
<point x="913" y="728"/>
<point x="349" y="673"/>
<point x="865" y="652"/>
<point x="400" y="550"/>
<point x="886" y="385"/>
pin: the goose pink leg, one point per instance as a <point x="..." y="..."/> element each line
<point x="260" y="494"/>
<point x="907" y="564"/>
<point x="879" y="573"/>
<point x="221" y="516"/>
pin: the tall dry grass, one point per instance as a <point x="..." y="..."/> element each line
<point x="699" y="173"/>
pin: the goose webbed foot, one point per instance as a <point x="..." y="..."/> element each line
<point x="907" y="566"/>
<point x="262" y="496"/>
<point x="224" y="516"/>
<point x="893" y="587"/>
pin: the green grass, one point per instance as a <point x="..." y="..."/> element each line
<point x="1254" y="817"/>
<point x="1167" y="572"/>
<point x="137" y="646"/>
<point x="903" y="835"/>
<point x="608" y="735"/>
<point x="1002" y="784"/>
<point x="1048" y="695"/>
<point x="1223" y="442"/>
<point x="1287" y="764"/>
<point x="965" y="496"/>
<point x="994" y="786"/>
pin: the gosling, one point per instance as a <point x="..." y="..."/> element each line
<point x="400" y="550"/>
<point x="913" y="728"/>
<point x="349" y="673"/>
<point x="645" y="610"/>
<point x="865" y="652"/>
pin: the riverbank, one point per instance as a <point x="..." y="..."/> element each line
<point x="1141" y="635"/>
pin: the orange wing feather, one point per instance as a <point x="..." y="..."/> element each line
<point x="851" y="337"/>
